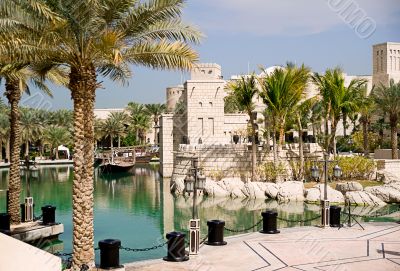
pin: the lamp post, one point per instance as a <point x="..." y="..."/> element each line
<point x="337" y="172"/>
<point x="194" y="182"/>
<point x="28" y="205"/>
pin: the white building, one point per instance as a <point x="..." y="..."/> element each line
<point x="197" y="108"/>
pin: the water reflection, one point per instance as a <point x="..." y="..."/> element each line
<point x="138" y="208"/>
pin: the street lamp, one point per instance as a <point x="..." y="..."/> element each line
<point x="337" y="172"/>
<point x="194" y="181"/>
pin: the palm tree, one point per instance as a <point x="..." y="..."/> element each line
<point x="115" y="126"/>
<point x="155" y="110"/>
<point x="140" y="123"/>
<point x="243" y="91"/>
<point x="31" y="127"/>
<point x="387" y="100"/>
<point x="55" y="136"/>
<point x="281" y="91"/>
<point x="4" y="132"/>
<point x="102" y="38"/>
<point x="302" y="114"/>
<point x="336" y="99"/>
<point x="366" y="107"/>
<point x="62" y="118"/>
<point x="17" y="77"/>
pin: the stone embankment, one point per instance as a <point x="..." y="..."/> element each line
<point x="288" y="191"/>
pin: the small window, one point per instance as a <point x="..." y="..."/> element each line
<point x="211" y="104"/>
<point x="391" y="51"/>
<point x="203" y="71"/>
<point x="377" y="53"/>
<point x="210" y="72"/>
<point x="201" y="104"/>
<point x="381" y="52"/>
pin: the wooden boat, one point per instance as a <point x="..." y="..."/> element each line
<point x="116" y="167"/>
<point x="118" y="160"/>
<point x="144" y="155"/>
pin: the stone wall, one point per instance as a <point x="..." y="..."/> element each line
<point x="229" y="159"/>
<point x="384" y="154"/>
<point x="166" y="145"/>
<point x="392" y="166"/>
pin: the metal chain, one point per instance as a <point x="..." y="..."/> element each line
<point x="38" y="217"/>
<point x="143" y="249"/>
<point x="204" y="239"/>
<point x="300" y="220"/>
<point x="244" y="230"/>
<point x="62" y="254"/>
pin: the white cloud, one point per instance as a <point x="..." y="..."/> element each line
<point x="287" y="17"/>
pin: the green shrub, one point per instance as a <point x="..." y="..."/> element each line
<point x="353" y="167"/>
<point x="268" y="171"/>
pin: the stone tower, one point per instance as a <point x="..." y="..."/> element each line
<point x="204" y="103"/>
<point x="386" y="63"/>
<point x="174" y="95"/>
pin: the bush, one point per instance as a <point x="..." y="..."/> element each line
<point x="358" y="139"/>
<point x="270" y="172"/>
<point x="353" y="167"/>
<point x="356" y="167"/>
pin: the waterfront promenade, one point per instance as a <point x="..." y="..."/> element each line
<point x="304" y="248"/>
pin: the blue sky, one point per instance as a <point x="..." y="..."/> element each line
<point x="244" y="34"/>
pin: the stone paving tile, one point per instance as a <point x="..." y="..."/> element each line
<point x="376" y="248"/>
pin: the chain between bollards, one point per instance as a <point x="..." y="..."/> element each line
<point x="204" y="239"/>
<point x="300" y="220"/>
<point x="244" y="230"/>
<point x="143" y="249"/>
<point x="38" y="217"/>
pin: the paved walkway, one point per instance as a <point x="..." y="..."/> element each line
<point x="377" y="248"/>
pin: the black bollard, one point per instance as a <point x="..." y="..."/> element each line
<point x="269" y="222"/>
<point x="215" y="233"/>
<point x="334" y="216"/>
<point x="5" y="223"/>
<point x="49" y="215"/>
<point x="109" y="253"/>
<point x="176" y="247"/>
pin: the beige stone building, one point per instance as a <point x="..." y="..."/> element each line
<point x="196" y="119"/>
<point x="386" y="63"/>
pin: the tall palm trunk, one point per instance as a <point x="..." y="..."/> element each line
<point x="395" y="153"/>
<point x="274" y="143"/>
<point x="332" y="143"/>
<point x="8" y="149"/>
<point x="13" y="94"/>
<point x="1" y="149"/>
<point x="344" y="124"/>
<point x="253" y="148"/>
<point x="155" y="131"/>
<point x="82" y="85"/>
<point x="365" y="136"/>
<point x="111" y="142"/>
<point x="26" y="148"/>
<point x="119" y="141"/>
<point x="301" y="149"/>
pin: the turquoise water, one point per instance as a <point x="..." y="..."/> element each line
<point x="139" y="210"/>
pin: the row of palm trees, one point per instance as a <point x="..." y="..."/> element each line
<point x="284" y="94"/>
<point x="135" y="121"/>
<point x="73" y="43"/>
<point x="39" y="127"/>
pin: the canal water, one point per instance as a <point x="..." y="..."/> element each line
<point x="138" y="208"/>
